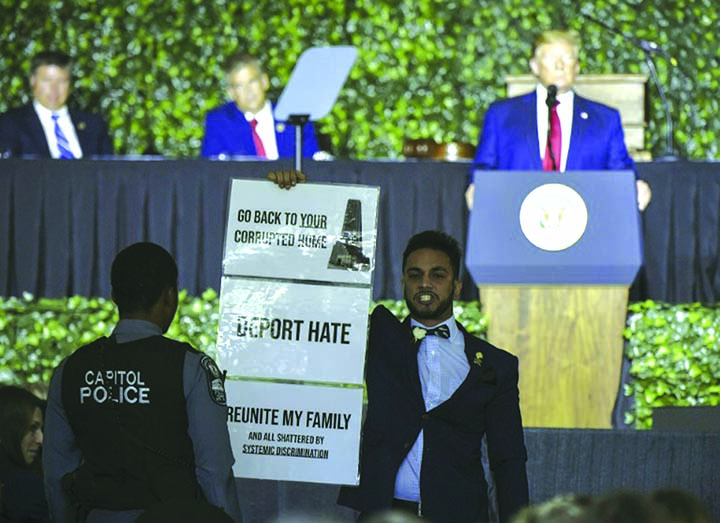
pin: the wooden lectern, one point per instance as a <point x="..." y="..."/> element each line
<point x="554" y="255"/>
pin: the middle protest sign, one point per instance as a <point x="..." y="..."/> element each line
<point x="286" y="330"/>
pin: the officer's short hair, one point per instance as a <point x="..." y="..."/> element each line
<point x="139" y="275"/>
<point x="438" y="241"/>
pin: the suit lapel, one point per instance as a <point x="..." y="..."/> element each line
<point x="474" y="378"/>
<point x="475" y="375"/>
<point x="412" y="361"/>
<point x="240" y="132"/>
<point x="530" y="131"/>
<point x="578" y="134"/>
<point x="80" y="126"/>
<point x="35" y="131"/>
<point x="475" y="372"/>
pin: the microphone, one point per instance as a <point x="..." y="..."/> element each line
<point x="652" y="47"/>
<point x="551" y="100"/>
<point x="644" y="45"/>
<point x="649" y="49"/>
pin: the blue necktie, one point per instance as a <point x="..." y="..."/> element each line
<point x="62" y="142"/>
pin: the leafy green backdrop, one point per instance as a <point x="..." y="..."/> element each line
<point x="674" y="352"/>
<point x="426" y="68"/>
<point x="673" y="349"/>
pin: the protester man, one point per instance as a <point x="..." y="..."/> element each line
<point x="434" y="391"/>
<point x="246" y="125"/>
<point x="552" y="128"/>
<point x="47" y="128"/>
<point x="136" y="420"/>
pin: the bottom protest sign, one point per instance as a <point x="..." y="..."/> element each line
<point x="292" y="432"/>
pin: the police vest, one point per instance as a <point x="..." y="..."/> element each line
<point x="126" y="406"/>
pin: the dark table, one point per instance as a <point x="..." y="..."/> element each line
<point x="61" y="222"/>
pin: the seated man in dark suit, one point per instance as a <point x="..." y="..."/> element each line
<point x="246" y="125"/>
<point x="47" y="128"/>
<point x="517" y="131"/>
<point x="434" y="391"/>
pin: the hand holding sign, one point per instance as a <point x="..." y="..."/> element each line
<point x="287" y="179"/>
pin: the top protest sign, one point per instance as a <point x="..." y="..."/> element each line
<point x="315" y="232"/>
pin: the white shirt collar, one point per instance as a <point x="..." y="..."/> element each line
<point x="45" y="113"/>
<point x="565" y="113"/>
<point x="266" y="129"/>
<point x="262" y="115"/>
<point x="567" y="97"/>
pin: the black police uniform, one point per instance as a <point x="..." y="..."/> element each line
<point x="127" y="409"/>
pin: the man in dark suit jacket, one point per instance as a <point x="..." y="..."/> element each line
<point x="229" y="128"/>
<point x="432" y="397"/>
<point x="515" y="130"/>
<point x="30" y="131"/>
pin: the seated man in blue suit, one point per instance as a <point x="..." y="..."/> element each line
<point x="515" y="132"/>
<point x="246" y="126"/>
<point x="434" y="391"/>
<point x="47" y="128"/>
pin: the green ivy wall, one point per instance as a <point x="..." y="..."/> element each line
<point x="673" y="349"/>
<point x="425" y="68"/>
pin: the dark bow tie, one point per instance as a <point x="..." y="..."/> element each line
<point x="443" y="331"/>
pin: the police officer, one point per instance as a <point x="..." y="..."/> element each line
<point x="137" y="420"/>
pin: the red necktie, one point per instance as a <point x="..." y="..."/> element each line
<point x="554" y="142"/>
<point x="259" y="149"/>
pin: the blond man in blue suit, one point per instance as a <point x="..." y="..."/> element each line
<point x="515" y="130"/>
<point x="245" y="126"/>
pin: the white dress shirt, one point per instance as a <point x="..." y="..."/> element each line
<point x="65" y="124"/>
<point x="443" y="366"/>
<point x="265" y="129"/>
<point x="565" y="113"/>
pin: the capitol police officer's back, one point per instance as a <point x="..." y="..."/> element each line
<point x="137" y="420"/>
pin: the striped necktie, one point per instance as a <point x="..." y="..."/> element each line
<point x="443" y="331"/>
<point x="62" y="141"/>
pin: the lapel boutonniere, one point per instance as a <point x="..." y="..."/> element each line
<point x="419" y="333"/>
<point x="478" y="359"/>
